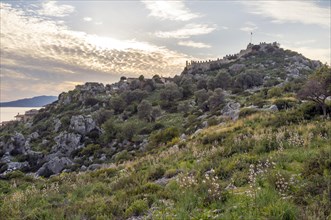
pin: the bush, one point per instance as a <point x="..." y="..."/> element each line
<point x="137" y="208"/>
<point x="91" y="101"/>
<point x="14" y="175"/>
<point x="89" y="150"/>
<point x="213" y="121"/>
<point x="122" y="156"/>
<point x="164" y="136"/>
<point x="41" y="116"/>
<point x="284" y="103"/>
<point x="246" y="112"/>
<point x="310" y="109"/>
<point x="156" y="173"/>
<point x="275" y="92"/>
<point x="104" y="173"/>
<point x="102" y="116"/>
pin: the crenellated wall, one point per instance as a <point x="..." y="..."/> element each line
<point x="207" y="64"/>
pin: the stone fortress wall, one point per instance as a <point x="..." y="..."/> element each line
<point x="204" y="65"/>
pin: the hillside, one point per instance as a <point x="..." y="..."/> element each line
<point x="225" y="139"/>
<point x="38" y="101"/>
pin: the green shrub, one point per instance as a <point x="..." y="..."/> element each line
<point x="284" y="103"/>
<point x="91" y="101"/>
<point x="4" y="187"/>
<point x="310" y="110"/>
<point x="282" y="210"/>
<point x="275" y="92"/>
<point x="151" y="188"/>
<point x="171" y="173"/>
<point x="164" y="136"/>
<point x="104" y="173"/>
<point x="246" y="112"/>
<point x="213" y="121"/>
<point x="137" y="208"/>
<point x="122" y="156"/>
<point x="14" y="175"/>
<point x="156" y="173"/>
<point x="89" y="150"/>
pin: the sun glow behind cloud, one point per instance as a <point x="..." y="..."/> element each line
<point x="45" y="50"/>
<point x="50" y="45"/>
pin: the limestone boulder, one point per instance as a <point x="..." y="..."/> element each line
<point x="231" y="110"/>
<point x="54" y="166"/>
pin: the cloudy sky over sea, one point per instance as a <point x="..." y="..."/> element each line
<point x="49" y="46"/>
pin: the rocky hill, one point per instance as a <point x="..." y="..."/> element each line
<point x="214" y="130"/>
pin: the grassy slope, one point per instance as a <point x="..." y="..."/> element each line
<point x="279" y="170"/>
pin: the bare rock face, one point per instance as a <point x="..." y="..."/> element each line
<point x="231" y="110"/>
<point x="54" y="166"/>
<point x="57" y="125"/>
<point x="64" y="99"/>
<point x="16" y="144"/>
<point x="236" y="68"/>
<point x="66" y="143"/>
<point x="82" y="124"/>
<point x="273" y="108"/>
<point x="17" y="166"/>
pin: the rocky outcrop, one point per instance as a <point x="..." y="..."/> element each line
<point x="66" y="143"/>
<point x="273" y="108"/>
<point x="82" y="124"/>
<point x="236" y="68"/>
<point x="54" y="166"/>
<point x="16" y="144"/>
<point x="231" y="110"/>
<point x="57" y="125"/>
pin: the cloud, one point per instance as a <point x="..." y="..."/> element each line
<point x="312" y="53"/>
<point x="170" y="10"/>
<point x="36" y="52"/>
<point x="187" y="31"/>
<point x="305" y="12"/>
<point x="303" y="42"/>
<point x="87" y="19"/>
<point x="193" y="44"/>
<point x="52" y="8"/>
<point x="250" y="27"/>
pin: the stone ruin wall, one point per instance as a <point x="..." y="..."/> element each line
<point x="206" y="64"/>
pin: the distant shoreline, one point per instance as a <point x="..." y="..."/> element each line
<point x="9" y="113"/>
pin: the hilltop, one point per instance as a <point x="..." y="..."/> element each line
<point x="38" y="101"/>
<point x="225" y="139"/>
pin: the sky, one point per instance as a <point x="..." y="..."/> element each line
<point x="48" y="47"/>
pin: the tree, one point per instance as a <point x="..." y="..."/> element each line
<point x="223" y="80"/>
<point x="171" y="92"/>
<point x="145" y="110"/>
<point x="318" y="88"/>
<point x="118" y="104"/>
<point x="202" y="84"/>
<point x="169" y="95"/>
<point x="201" y="98"/>
<point x="134" y="96"/>
<point x="188" y="86"/>
<point x="211" y="83"/>
<point x="156" y="112"/>
<point x="216" y="99"/>
<point x="141" y="78"/>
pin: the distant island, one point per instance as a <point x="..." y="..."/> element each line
<point x="37" y="101"/>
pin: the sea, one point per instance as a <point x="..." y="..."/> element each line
<point x="8" y="113"/>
